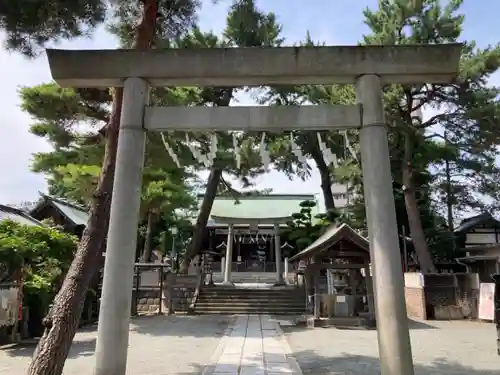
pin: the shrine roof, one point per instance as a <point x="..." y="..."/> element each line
<point x="18" y="216"/>
<point x="333" y="234"/>
<point x="475" y="221"/>
<point x="257" y="207"/>
<point x="74" y="213"/>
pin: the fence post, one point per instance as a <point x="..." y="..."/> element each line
<point x="160" y="273"/>
<point x="137" y="286"/>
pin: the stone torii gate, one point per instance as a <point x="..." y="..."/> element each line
<point x="368" y="67"/>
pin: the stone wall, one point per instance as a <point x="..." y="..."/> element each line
<point x="497" y="309"/>
<point x="442" y="296"/>
<point x="146" y="299"/>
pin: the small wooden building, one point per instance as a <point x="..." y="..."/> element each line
<point x="72" y="217"/>
<point x="337" y="275"/>
<point x="478" y="239"/>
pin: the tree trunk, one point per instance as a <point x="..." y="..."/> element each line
<point x="324" y="172"/>
<point x="61" y="322"/>
<point x="416" y="229"/>
<point x="148" y="240"/>
<point x="201" y="222"/>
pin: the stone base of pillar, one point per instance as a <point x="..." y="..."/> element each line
<point x="228" y="283"/>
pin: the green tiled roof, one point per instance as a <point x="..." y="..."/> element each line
<point x="74" y="213"/>
<point x="259" y="207"/>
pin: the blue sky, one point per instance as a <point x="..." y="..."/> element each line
<point x="331" y="21"/>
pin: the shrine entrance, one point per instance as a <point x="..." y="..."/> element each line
<point x="366" y="67"/>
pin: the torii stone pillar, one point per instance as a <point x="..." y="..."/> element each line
<point x="229" y="255"/>
<point x="390" y="309"/>
<point x="115" y="307"/>
<point x="277" y="251"/>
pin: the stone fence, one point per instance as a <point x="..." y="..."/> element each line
<point x="159" y="291"/>
<point x="442" y="296"/>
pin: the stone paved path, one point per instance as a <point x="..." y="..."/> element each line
<point x="253" y="346"/>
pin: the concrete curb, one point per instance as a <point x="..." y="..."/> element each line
<point x="288" y="350"/>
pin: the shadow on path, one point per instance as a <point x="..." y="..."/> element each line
<point x="348" y="364"/>
<point x="362" y="365"/>
<point x="79" y="348"/>
<point x="181" y="325"/>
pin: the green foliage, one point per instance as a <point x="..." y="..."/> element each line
<point x="30" y="24"/>
<point x="43" y="253"/>
<point x="304" y="228"/>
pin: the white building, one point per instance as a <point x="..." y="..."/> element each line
<point x="340" y="198"/>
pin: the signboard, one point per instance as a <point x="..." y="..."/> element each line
<point x="486" y="304"/>
<point x="9" y="306"/>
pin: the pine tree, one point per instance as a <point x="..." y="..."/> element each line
<point x="472" y="106"/>
<point x="31" y="24"/>
<point x="246" y="26"/>
<point x="62" y="320"/>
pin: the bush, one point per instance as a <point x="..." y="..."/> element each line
<point x="43" y="253"/>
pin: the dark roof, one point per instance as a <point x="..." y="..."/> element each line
<point x="17" y="215"/>
<point x="474" y="221"/>
<point x="75" y="213"/>
<point x="333" y="235"/>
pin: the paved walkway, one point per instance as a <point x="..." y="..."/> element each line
<point x="252" y="346"/>
<point x="159" y="345"/>
<point x="439" y="348"/>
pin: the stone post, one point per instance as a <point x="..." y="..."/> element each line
<point x="116" y="300"/>
<point x="369" y="290"/>
<point x="277" y="251"/>
<point x="390" y="308"/>
<point x="496" y="301"/>
<point x="286" y="271"/>
<point x="223" y="267"/>
<point x="229" y="255"/>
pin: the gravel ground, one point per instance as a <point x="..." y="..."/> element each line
<point x="159" y="345"/>
<point x="439" y="348"/>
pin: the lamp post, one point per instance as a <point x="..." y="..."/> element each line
<point x="174" y="232"/>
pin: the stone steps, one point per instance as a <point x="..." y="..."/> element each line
<point x="234" y="300"/>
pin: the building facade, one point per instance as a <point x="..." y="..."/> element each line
<point x="247" y="234"/>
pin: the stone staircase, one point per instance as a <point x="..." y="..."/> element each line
<point x="251" y="300"/>
<point x="247" y="277"/>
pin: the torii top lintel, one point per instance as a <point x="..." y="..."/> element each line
<point x="405" y="64"/>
